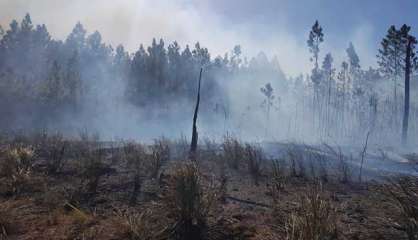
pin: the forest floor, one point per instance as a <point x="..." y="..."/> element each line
<point x="275" y="204"/>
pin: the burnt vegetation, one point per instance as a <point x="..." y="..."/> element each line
<point x="151" y="192"/>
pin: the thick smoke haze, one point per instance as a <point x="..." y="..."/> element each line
<point x="217" y="25"/>
<point x="273" y="52"/>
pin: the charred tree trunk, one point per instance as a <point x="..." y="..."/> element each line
<point x="406" y="104"/>
<point x="137" y="188"/>
<point x="193" y="145"/>
<point x="363" y="154"/>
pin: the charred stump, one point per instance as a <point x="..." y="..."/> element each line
<point x="193" y="145"/>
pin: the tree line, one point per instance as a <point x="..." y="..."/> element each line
<point x="44" y="80"/>
<point x="359" y="100"/>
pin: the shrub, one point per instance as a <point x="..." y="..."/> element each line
<point x="189" y="203"/>
<point x="277" y="179"/>
<point x="139" y="162"/>
<point x="318" y="165"/>
<point x="160" y="155"/>
<point x="16" y="167"/>
<point x="52" y="148"/>
<point x="90" y="163"/>
<point x="343" y="166"/>
<point x="93" y="169"/>
<point x="210" y="150"/>
<point x="254" y="158"/>
<point x="297" y="164"/>
<point x="233" y="152"/>
<point x="223" y="188"/>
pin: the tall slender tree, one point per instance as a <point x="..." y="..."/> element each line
<point x="390" y="58"/>
<point x="267" y="91"/>
<point x="410" y="64"/>
<point x="316" y="37"/>
<point x="329" y="72"/>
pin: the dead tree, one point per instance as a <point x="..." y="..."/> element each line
<point x="363" y="154"/>
<point x="193" y="145"/>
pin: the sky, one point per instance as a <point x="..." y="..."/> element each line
<point x="277" y="27"/>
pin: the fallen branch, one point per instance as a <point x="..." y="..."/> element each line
<point x="248" y="202"/>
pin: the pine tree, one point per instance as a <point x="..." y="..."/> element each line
<point x="316" y="37"/>
<point x="410" y="65"/>
<point x="390" y="57"/>
<point x="329" y="72"/>
<point x="1" y="32"/>
<point x="267" y="91"/>
<point x="396" y="56"/>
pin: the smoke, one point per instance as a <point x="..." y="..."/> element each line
<point x="131" y="23"/>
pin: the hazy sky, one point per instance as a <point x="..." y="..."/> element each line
<point x="278" y="27"/>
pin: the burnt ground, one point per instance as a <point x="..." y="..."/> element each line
<point x="54" y="206"/>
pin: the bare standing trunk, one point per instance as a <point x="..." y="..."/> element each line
<point x="363" y="154"/>
<point x="193" y="145"/>
<point x="406" y="105"/>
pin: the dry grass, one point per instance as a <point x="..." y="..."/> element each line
<point x="147" y="224"/>
<point x="5" y="224"/>
<point x="205" y="201"/>
<point x="315" y="218"/>
<point x="16" y="166"/>
<point x="160" y="155"/>
<point x="403" y="193"/>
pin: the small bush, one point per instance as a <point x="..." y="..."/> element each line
<point x="210" y="151"/>
<point x="254" y="157"/>
<point x="93" y="169"/>
<point x="52" y="148"/>
<point x="90" y="163"/>
<point x="343" y="167"/>
<point x="223" y="188"/>
<point x="233" y="152"/>
<point x="139" y="162"/>
<point x="277" y="179"/>
<point x="181" y="148"/>
<point x="160" y="155"/>
<point x="296" y="160"/>
<point x="189" y="203"/>
<point x="16" y="168"/>
<point x="318" y="165"/>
